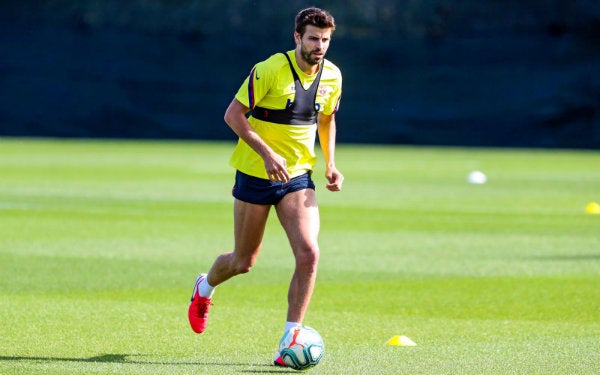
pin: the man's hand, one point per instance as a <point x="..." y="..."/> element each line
<point x="276" y="167"/>
<point x="335" y="178"/>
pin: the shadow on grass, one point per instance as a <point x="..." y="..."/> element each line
<point x="115" y="358"/>
<point x="575" y="257"/>
<point x="130" y="359"/>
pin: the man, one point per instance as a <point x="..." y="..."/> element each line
<point x="291" y="96"/>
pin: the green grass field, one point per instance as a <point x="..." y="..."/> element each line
<point x="100" y="243"/>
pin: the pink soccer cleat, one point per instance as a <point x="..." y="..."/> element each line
<point x="199" y="306"/>
<point x="278" y="361"/>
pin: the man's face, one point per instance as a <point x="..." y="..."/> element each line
<point x="313" y="44"/>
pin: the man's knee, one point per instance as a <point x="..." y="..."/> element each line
<point x="243" y="265"/>
<point x="308" y="257"/>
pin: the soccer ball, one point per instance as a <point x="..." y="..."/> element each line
<point x="301" y="348"/>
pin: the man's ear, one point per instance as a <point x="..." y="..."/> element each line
<point x="297" y="38"/>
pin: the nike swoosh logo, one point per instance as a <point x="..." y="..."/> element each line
<point x="256" y="75"/>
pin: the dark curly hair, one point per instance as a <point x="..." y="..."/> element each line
<point x="315" y="17"/>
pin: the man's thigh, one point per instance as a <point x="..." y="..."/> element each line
<point x="249" y="227"/>
<point x="298" y="214"/>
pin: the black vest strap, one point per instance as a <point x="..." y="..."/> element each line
<point x="302" y="111"/>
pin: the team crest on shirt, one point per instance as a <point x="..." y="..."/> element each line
<point x="323" y="89"/>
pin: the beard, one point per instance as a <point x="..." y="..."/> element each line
<point x="309" y="58"/>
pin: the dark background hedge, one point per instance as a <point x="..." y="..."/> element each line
<point x="455" y="72"/>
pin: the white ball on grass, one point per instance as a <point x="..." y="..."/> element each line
<point x="477" y="177"/>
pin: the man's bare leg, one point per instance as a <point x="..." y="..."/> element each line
<point x="299" y="215"/>
<point x="249" y="226"/>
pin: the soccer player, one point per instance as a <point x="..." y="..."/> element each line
<point x="291" y="97"/>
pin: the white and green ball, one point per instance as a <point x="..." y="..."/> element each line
<point x="301" y="348"/>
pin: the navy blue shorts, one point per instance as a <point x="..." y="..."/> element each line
<point x="260" y="191"/>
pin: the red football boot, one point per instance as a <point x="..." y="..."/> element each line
<point x="199" y="306"/>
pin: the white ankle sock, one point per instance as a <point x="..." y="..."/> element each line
<point x="290" y="325"/>
<point x="205" y="289"/>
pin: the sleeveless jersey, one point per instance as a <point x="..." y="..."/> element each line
<point x="285" y="102"/>
<point x="302" y="111"/>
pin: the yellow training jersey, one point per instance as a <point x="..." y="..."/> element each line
<point x="270" y="85"/>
